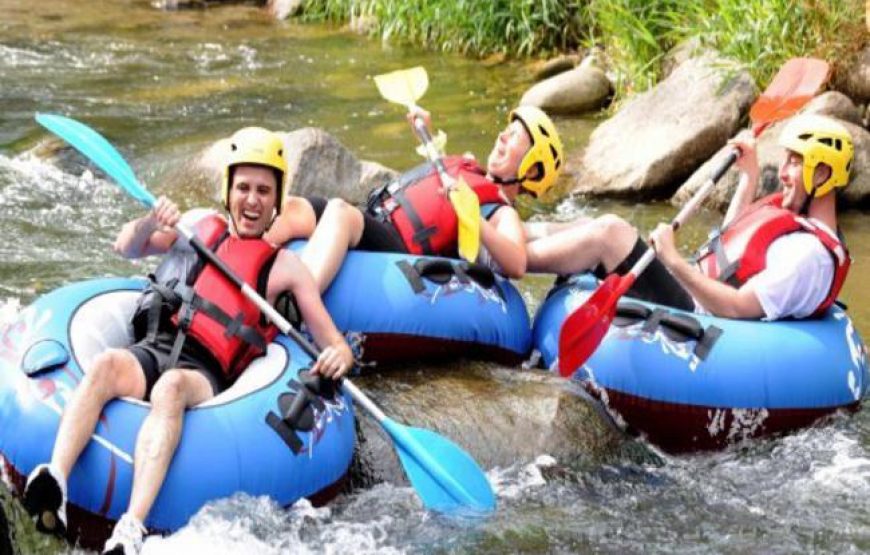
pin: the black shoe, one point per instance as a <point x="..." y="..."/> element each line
<point x="45" y="500"/>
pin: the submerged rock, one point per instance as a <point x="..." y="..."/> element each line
<point x="499" y="416"/>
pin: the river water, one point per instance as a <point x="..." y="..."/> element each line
<point x="163" y="85"/>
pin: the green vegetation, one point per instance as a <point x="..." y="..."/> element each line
<point x="635" y="34"/>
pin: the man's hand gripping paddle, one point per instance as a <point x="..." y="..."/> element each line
<point x="792" y="87"/>
<point x="445" y="477"/>
<point x="405" y="87"/>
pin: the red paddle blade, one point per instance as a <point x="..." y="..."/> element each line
<point x="797" y="81"/>
<point x="586" y="327"/>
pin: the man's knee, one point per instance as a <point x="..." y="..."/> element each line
<point x="110" y="374"/>
<point x="613" y="226"/>
<point x="170" y="392"/>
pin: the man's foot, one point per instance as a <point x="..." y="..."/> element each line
<point x="45" y="499"/>
<point x="127" y="537"/>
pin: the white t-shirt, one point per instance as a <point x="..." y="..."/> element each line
<point x="797" y="276"/>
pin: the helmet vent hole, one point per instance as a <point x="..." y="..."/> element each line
<point x="838" y="144"/>
<point x="805" y="136"/>
<point x="554" y="153"/>
<point x="280" y="152"/>
<point x="826" y="141"/>
<point x="543" y="132"/>
<point x="233" y="147"/>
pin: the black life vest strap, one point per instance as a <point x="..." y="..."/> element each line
<point x="421" y="234"/>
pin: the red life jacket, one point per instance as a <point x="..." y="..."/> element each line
<point x="418" y="207"/>
<point x="215" y="312"/>
<point x="739" y="251"/>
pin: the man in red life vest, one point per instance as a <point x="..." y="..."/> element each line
<point x="190" y="348"/>
<point x="414" y="215"/>
<point x="776" y="258"/>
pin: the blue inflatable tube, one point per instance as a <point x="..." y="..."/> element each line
<point x="237" y="442"/>
<point x="689" y="381"/>
<point x="400" y="307"/>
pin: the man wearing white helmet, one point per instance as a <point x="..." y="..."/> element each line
<point x="412" y="215"/>
<point x="778" y="257"/>
<point x="196" y="331"/>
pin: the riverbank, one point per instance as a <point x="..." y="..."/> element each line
<point x="636" y="35"/>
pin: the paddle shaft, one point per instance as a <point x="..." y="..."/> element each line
<point x="431" y="150"/>
<point x="689" y="208"/>
<point x="275" y="317"/>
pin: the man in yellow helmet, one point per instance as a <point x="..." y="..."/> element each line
<point x="413" y="215"/>
<point x="196" y="332"/>
<point x="775" y="258"/>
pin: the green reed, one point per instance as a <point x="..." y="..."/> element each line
<point x="635" y="34"/>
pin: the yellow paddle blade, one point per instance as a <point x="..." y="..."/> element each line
<point x="403" y="86"/>
<point x="439" y="141"/>
<point x="467" y="207"/>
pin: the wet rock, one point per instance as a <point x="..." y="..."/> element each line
<point x="555" y="66"/>
<point x="499" y="416"/>
<point x="318" y="165"/>
<point x="583" y="89"/>
<point x="854" y="78"/>
<point x="660" y="137"/>
<point x="833" y="104"/>
<point x="282" y="9"/>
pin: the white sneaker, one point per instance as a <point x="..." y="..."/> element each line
<point x="127" y="537"/>
<point x="45" y="499"/>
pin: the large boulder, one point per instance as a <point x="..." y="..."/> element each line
<point x="854" y="78"/>
<point x="582" y="89"/>
<point x="833" y="104"/>
<point x="659" y="138"/>
<point x="499" y="416"/>
<point x="318" y="165"/>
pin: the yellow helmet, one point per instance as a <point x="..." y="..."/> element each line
<point x="545" y="153"/>
<point x="820" y="140"/>
<point x="259" y="147"/>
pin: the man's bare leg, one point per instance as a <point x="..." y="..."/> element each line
<point x="339" y="229"/>
<point x="606" y="240"/>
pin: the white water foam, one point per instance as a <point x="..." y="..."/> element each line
<point x="512" y="482"/>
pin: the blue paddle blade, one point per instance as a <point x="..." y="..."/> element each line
<point x="446" y="478"/>
<point x="99" y="151"/>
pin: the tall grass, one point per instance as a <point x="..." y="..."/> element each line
<point x="635" y="34"/>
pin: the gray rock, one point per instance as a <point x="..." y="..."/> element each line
<point x="832" y="104"/>
<point x="282" y="9"/>
<point x="499" y="416"/>
<point x="682" y="52"/>
<point x="854" y="78"/>
<point x="555" y="66"/>
<point x="318" y="165"/>
<point x="583" y="89"/>
<point x="658" y="138"/>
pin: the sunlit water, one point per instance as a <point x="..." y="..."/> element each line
<point x="162" y="86"/>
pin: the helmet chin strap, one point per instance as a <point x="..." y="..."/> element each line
<point x="805" y="207"/>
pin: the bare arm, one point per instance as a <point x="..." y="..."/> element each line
<point x="720" y="299"/>
<point x="505" y="239"/>
<point x="290" y="274"/>
<point x="150" y="234"/>
<point x="296" y="221"/>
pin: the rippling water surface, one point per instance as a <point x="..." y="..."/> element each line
<point x="163" y="85"/>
